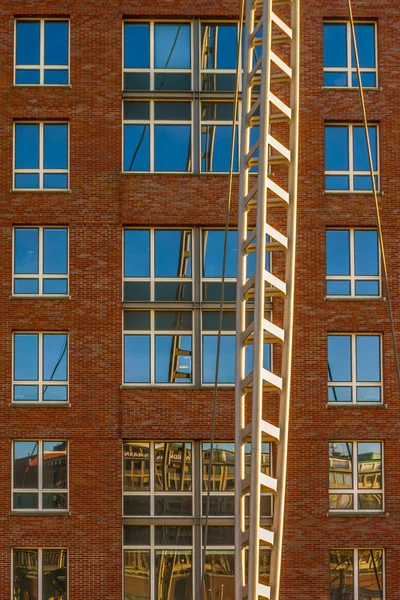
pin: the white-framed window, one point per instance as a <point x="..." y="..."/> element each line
<point x="40" y="476"/>
<point x="40" y="573"/>
<point x="157" y="55"/>
<point x="356" y="574"/>
<point x="216" y="137"/>
<point x="41" y="155"/>
<point x="41" y="52"/>
<point x="356" y="476"/>
<point x="346" y="157"/>
<point x="40" y="367"/>
<point x="353" y="263"/>
<point x="354" y="368"/>
<point x="165" y="503"/>
<point x="339" y="60"/>
<point x="40" y="261"/>
<point x="158" y="265"/>
<point x="151" y="128"/>
<point x="218" y="56"/>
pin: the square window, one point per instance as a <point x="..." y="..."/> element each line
<point x="41" y="52"/>
<point x="339" y="60"/>
<point x="346" y="158"/>
<point x="41" y="156"/>
<point x="40" y="266"/>
<point x="352" y="263"/>
<point x="40" y="369"/>
<point x="356" y="574"/>
<point x="45" y="570"/>
<point x="354" y="368"/>
<point x="40" y="475"/>
<point x="151" y="129"/>
<point x="356" y="476"/>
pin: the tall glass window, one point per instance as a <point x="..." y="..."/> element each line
<point x="356" y="574"/>
<point x="40" y="573"/>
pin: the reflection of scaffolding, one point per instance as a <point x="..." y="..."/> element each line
<point x="263" y="109"/>
<point x="209" y="53"/>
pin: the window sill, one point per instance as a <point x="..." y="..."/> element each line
<point x="39" y="297"/>
<point x="351" y="89"/>
<point x="177" y="386"/>
<point x="54" y="404"/>
<point x="37" y="191"/>
<point x="351" y="193"/>
<point x="353" y="405"/>
<point x="40" y="513"/>
<point x="356" y="298"/>
<point x="42" y="85"/>
<point x="358" y="514"/>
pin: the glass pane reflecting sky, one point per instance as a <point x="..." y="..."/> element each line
<point x="339" y="358"/>
<point x="55" y="251"/>
<point x="26" y="354"/>
<point x="26" y="251"/>
<point x="171" y="46"/>
<point x="28" y="43"/>
<point x="335" y="45"/>
<point x="56" y="43"/>
<point x="26" y="146"/>
<point x="337" y="148"/>
<point x="55" y="356"/>
<point x="337" y="252"/>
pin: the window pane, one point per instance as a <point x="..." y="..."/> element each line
<point x="26" y="353"/>
<point x="226" y="372"/>
<point x="136" y="320"/>
<point x="368" y="358"/>
<point x="361" y="162"/>
<point x="136" y="148"/>
<point x="339" y="358"/>
<point x="216" y="143"/>
<point x="366" y="252"/>
<point x="173" y="253"/>
<point x="137" y="111"/>
<point x="363" y="183"/>
<point x="173" y="320"/>
<point x="137" y="359"/>
<point x="25" y="470"/>
<point x="340" y="465"/>
<point x="137" y="574"/>
<point x="136" y="467"/>
<point x="136" y="535"/>
<point x="136" y="291"/>
<point x="55" y="286"/>
<point x="173" y="576"/>
<point x="370" y="574"/>
<point x="336" y="182"/>
<point x="137" y="253"/>
<point x="28" y="43"/>
<point x="55" y="357"/>
<point x="55" y="181"/>
<point x="220" y="535"/>
<point x="338" y="288"/>
<point x="137" y="506"/>
<point x="55" y="146"/>
<point x="367" y="288"/>
<point x="136" y="46"/>
<point x="136" y="81"/>
<point x="172" y="111"/>
<point x="56" y="43"/>
<point x="338" y="79"/>
<point x="26" y="146"/>
<point x="367" y="79"/>
<point x="173" y="506"/>
<point x="341" y="574"/>
<point x="55" y="465"/>
<point x="336" y="148"/>
<point x="370" y="501"/>
<point x="26" y="251"/>
<point x="55" y="393"/>
<point x="169" y="292"/>
<point x="177" y="137"/>
<point x="211" y="320"/>
<point x="340" y="394"/>
<point x="181" y="535"/>
<point x="365" y="39"/>
<point x="337" y="252"/>
<point x="341" y="501"/>
<point x="26" y="286"/>
<point x="335" y="45"/>
<point x="55" y="583"/>
<point x="213" y="250"/>
<point x="27" y="76"/>
<point x="172" y="466"/>
<point x="171" y="46"/>
<point x="173" y="358"/>
<point x="368" y="394"/>
<point x="25" y="501"/>
<point x="220" y="506"/>
<point x="219" y="573"/>
<point x="223" y="467"/>
<point x="56" y="77"/>
<point x="172" y="81"/>
<point x="55" y="251"/>
<point x="369" y="465"/>
<point x="25" y="574"/>
<point x="219" y="46"/>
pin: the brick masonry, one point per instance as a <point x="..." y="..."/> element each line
<point x="100" y="203"/>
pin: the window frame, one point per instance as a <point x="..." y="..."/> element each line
<point x="41" y="171"/>
<point x="214" y="123"/>
<point x="40" y="490"/>
<point x="356" y="569"/>
<point x="39" y="550"/>
<point x="353" y="278"/>
<point x="349" y="69"/>
<point x="351" y="173"/>
<point x="353" y="383"/>
<point x="354" y="491"/>
<point x="40" y="382"/>
<point x="40" y="276"/>
<point x="41" y="66"/>
<point x="216" y="71"/>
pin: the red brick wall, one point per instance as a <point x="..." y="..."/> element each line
<point x="100" y="203"/>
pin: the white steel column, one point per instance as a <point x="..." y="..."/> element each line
<point x="265" y="81"/>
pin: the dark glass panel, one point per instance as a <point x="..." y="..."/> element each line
<point x="173" y="506"/>
<point x="55" y="572"/>
<point x="136" y="506"/>
<point x="166" y="535"/>
<point x="341" y="583"/>
<point x="136" y="535"/>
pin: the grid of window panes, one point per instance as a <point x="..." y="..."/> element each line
<point x="356" y="574"/>
<point x="40" y="156"/>
<point x="339" y="60"/>
<point x="41" y="52"/>
<point x="40" y="264"/>
<point x="40" y="475"/>
<point x="40" y="573"/>
<point x="352" y="262"/>
<point x="40" y="369"/>
<point x="346" y="158"/>
<point x="356" y="476"/>
<point x="354" y="368"/>
<point x="163" y="543"/>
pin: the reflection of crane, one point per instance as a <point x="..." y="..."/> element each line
<point x="270" y="101"/>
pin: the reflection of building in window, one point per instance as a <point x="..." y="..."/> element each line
<point x="40" y="573"/>
<point x="356" y="574"/>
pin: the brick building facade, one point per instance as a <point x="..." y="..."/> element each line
<point x="69" y="380"/>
